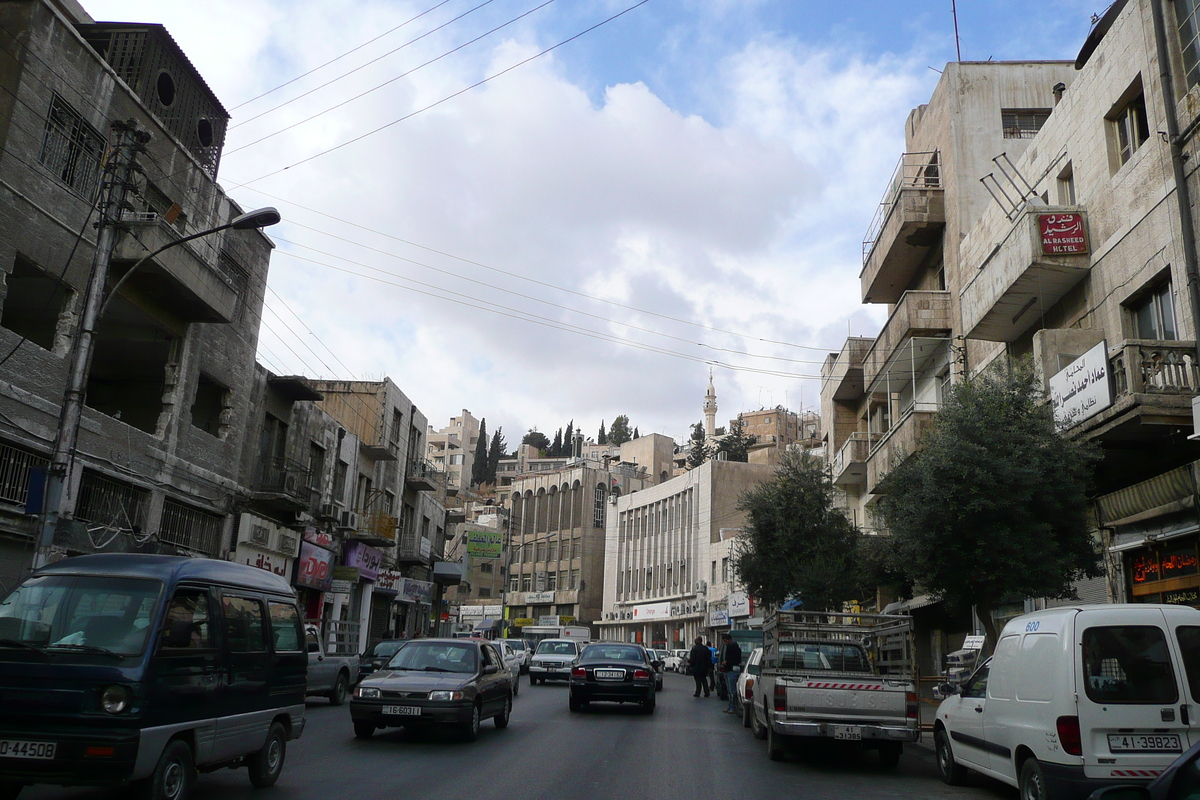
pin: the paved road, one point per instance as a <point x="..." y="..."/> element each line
<point x="687" y="749"/>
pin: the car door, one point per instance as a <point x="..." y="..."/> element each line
<point x="964" y="720"/>
<point x="493" y="687"/>
<point x="320" y="669"/>
<point x="242" y="727"/>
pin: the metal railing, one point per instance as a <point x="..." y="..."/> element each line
<point x="420" y="468"/>
<point x="190" y="528"/>
<point x="919" y="170"/>
<point x="378" y="524"/>
<point x="106" y="502"/>
<point x="15" y="468"/>
<point x="339" y="636"/>
<point x="283" y="476"/>
<point x="1155" y="367"/>
<point x="411" y="546"/>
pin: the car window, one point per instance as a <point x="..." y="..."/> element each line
<point x="1128" y="664"/>
<point x="977" y="687"/>
<point x="285" y="626"/>
<point x="245" y="626"/>
<point x="68" y="611"/>
<point x="823" y="656"/>
<point x="385" y="649"/>
<point x="611" y="652"/>
<point x="1186" y="783"/>
<point x="517" y="645"/>
<point x="421" y="656"/>
<point x="552" y="648"/>
<point x="187" y="622"/>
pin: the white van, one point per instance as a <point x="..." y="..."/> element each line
<point x="1074" y="699"/>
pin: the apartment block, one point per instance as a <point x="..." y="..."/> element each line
<point x="451" y="450"/>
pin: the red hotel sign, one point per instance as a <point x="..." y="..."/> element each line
<point x="1062" y="234"/>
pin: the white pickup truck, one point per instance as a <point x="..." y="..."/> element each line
<point x="328" y="674"/>
<point x="837" y="676"/>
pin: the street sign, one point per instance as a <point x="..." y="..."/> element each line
<point x="974" y="642"/>
<point x="485" y="544"/>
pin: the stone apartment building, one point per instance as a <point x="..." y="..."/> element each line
<point x="451" y="450"/>
<point x="169" y="391"/>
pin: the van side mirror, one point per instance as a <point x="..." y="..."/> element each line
<point x="656" y="664"/>
<point x="944" y="690"/>
<point x="490" y="669"/>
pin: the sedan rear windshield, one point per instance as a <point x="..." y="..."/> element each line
<point x="823" y="656"/>
<point x="435" y="657"/>
<point x="600" y="652"/>
<point x="548" y="648"/>
<point x="516" y="644"/>
<point x="1128" y="664"/>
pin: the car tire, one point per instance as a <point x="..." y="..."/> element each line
<point x="747" y="714"/>
<point x="774" y="745"/>
<point x="364" y="730"/>
<point x="648" y="705"/>
<point x="502" y="718"/>
<point x="175" y="774"/>
<point x="337" y="695"/>
<point x="757" y="728"/>
<point x="953" y="773"/>
<point x="10" y="789"/>
<point x="266" y="765"/>
<point x="1032" y="785"/>
<point x="470" y="731"/>
<point x="889" y="754"/>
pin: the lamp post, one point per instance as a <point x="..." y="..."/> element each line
<point x="96" y="302"/>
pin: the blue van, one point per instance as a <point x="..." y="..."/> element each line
<point x="145" y="669"/>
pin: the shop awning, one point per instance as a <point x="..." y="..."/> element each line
<point x="921" y="601"/>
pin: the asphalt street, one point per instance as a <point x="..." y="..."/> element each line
<point x="686" y="749"/>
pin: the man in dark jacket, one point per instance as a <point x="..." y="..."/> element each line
<point x="700" y="661"/>
<point x="731" y="665"/>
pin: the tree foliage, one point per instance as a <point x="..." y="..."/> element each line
<point x="618" y="432"/>
<point x="636" y="435"/>
<point x="556" y="447"/>
<point x="698" y="451"/>
<point x="796" y="543"/>
<point x="537" y="439"/>
<point x="602" y="437"/>
<point x="994" y="504"/>
<point x="480" y="463"/>
<point x="569" y="440"/>
<point x="496" y="451"/>
<point x="736" y="444"/>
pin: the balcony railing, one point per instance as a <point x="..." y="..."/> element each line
<point x="1155" y="367"/>
<point x="849" y="463"/>
<point x="414" y="547"/>
<point x="900" y="441"/>
<point x="284" y="478"/>
<point x="377" y="525"/>
<point x="424" y="476"/>
<point x="917" y="170"/>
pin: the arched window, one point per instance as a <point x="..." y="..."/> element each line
<point x="598" y="506"/>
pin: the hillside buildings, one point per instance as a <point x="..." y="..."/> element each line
<point x="451" y="450"/>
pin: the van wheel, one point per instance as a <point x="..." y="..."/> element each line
<point x="889" y="754"/>
<point x="266" y="765"/>
<point x="364" y="730"/>
<point x="337" y="695"/>
<point x="953" y="773"/>
<point x="174" y="775"/>
<point x="10" y="789"/>
<point x="1033" y="782"/>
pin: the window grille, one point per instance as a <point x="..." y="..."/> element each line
<point x="15" y="466"/>
<point x="189" y="528"/>
<point x="107" y="502"/>
<point x="71" y="148"/>
<point x="1023" y="123"/>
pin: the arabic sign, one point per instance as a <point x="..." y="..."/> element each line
<point x="388" y="581"/>
<point x="652" y="611"/>
<point x="523" y="622"/>
<point x="1062" y="234"/>
<point x="414" y="591"/>
<point x="485" y="544"/>
<point x="1083" y="389"/>
<point x="539" y="597"/>
<point x="739" y="604"/>
<point x="340" y="587"/>
<point x="974" y="642"/>
<point x="718" y="617"/>
<point x="471" y="611"/>
<point x="319" y="538"/>
<point x="368" y="559"/>
<point x="258" y="557"/>
<point x="312" y="568"/>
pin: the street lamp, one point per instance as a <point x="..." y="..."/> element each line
<point x="94" y="305"/>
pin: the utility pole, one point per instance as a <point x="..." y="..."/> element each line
<point x="115" y="184"/>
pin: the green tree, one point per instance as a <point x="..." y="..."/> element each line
<point x="569" y="440"/>
<point x="698" y="451"/>
<point x="480" y="463"/>
<point x="556" y="447"/>
<point x="496" y="451"/>
<point x="618" y="432"/>
<point x="602" y="438"/>
<point x="796" y="543"/>
<point x="537" y="439"/>
<point x="736" y="444"/>
<point x="994" y="503"/>
<point x="636" y="435"/>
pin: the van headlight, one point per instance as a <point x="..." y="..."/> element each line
<point x="115" y="699"/>
<point x="368" y="692"/>
<point x="445" y="695"/>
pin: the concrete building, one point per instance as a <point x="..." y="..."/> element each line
<point x="451" y="450"/>
<point x="667" y="571"/>
<point x="169" y="391"/>
<point x="476" y="604"/>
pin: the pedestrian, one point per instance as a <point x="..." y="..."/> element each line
<point x="712" y="666"/>
<point x="731" y="665"/>
<point x="701" y="665"/>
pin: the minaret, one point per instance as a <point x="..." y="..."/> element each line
<point x="710" y="409"/>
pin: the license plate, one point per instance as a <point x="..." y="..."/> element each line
<point x="17" y="748"/>
<point x="610" y="674"/>
<point x="847" y="732"/>
<point x="402" y="711"/>
<point x="1144" y="743"/>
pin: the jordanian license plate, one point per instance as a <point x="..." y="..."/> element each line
<point x="402" y="711"/>
<point x="847" y="732"/>
<point x="17" y="748"/>
<point x="610" y="674"/>
<point x="1144" y="743"/>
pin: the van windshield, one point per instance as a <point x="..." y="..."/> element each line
<point x="80" y="613"/>
<point x="553" y="648"/>
<point x="1128" y="664"/>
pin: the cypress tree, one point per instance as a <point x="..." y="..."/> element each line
<point x="480" y="464"/>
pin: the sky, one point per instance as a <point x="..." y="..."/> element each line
<point x="554" y="210"/>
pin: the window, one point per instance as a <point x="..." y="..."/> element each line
<point x="539" y="582"/>
<point x="598" y="508"/>
<point x="1130" y="128"/>
<point x="574" y="579"/>
<point x="245" y="627"/>
<point x="285" y="626"/>
<point x="713" y="578"/>
<point x="724" y="570"/>
<point x="456" y="459"/>
<point x="1186" y="15"/>
<point x="977" y="687"/>
<point x="514" y="583"/>
<point x="486" y="566"/>
<point x="1023" y="123"/>
<point x="562" y="579"/>
<point x="187" y="622"/>
<point x="551" y="581"/>
<point x="1128" y="664"/>
<point x="316" y="465"/>
<point x="553" y="554"/>
<point x="71" y="148"/>
<point x="397" y="426"/>
<point x="541" y="552"/>
<point x="1154" y="314"/>
<point x="211" y="400"/>
<point x="485" y="591"/>
<point x="1066" y="186"/>
<point x="339" y="481"/>
<point x="526" y="583"/>
<point x="33" y="302"/>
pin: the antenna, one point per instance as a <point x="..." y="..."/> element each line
<point x="957" y="45"/>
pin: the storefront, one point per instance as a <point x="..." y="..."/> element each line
<point x="1165" y="572"/>
<point x="266" y="545"/>
<point x="313" y="578"/>
<point x="372" y="615"/>
<point x="416" y="600"/>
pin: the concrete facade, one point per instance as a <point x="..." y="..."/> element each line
<point x="452" y="450"/>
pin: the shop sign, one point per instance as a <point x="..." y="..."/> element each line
<point x="539" y="597"/>
<point x="1083" y="389"/>
<point x="718" y="617"/>
<point x="471" y="611"/>
<point x="485" y="544"/>
<point x="974" y="642"/>
<point x="313" y="567"/>
<point x="344" y="573"/>
<point x="493" y="611"/>
<point x="523" y="622"/>
<point x="318" y="537"/>
<point x="258" y="557"/>
<point x="565" y="619"/>
<point x="388" y="581"/>
<point x="340" y="587"/>
<point x="368" y="559"/>
<point x="1182" y="597"/>
<point x="739" y="604"/>
<point x="548" y="622"/>
<point x="414" y="591"/>
<point x="1062" y="234"/>
<point x="652" y="611"/>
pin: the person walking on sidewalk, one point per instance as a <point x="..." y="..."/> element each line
<point x="731" y="665"/>
<point x="701" y="664"/>
<point x="712" y="667"/>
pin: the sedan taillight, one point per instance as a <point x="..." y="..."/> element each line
<point x="749" y="689"/>
<point x="579" y="672"/>
<point x="641" y="675"/>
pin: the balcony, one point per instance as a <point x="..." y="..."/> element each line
<point x="283" y="484"/>
<point x="917" y="315"/>
<point x="908" y="222"/>
<point x="1044" y="255"/>
<point x="199" y="288"/>
<point x="849" y="465"/>
<point x="904" y="439"/>
<point x="842" y="378"/>
<point x="423" y="476"/>
<point x="376" y="528"/>
<point x="413" y="549"/>
<point x="1153" y="385"/>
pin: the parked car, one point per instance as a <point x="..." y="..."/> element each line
<point x="329" y="674"/>
<point x="428" y="683"/>
<point x="613" y="672"/>
<point x="377" y="655"/>
<point x="676" y="661"/>
<point x="112" y="666"/>
<point x="744" y="701"/>
<point x="658" y="658"/>
<point x="512" y="662"/>
<point x="552" y="660"/>
<point x="1180" y="781"/>
<point x="1076" y="699"/>
<point x="525" y="650"/>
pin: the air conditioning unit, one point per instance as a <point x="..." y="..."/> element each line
<point x="349" y="521"/>
<point x="327" y="511"/>
<point x="289" y="483"/>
